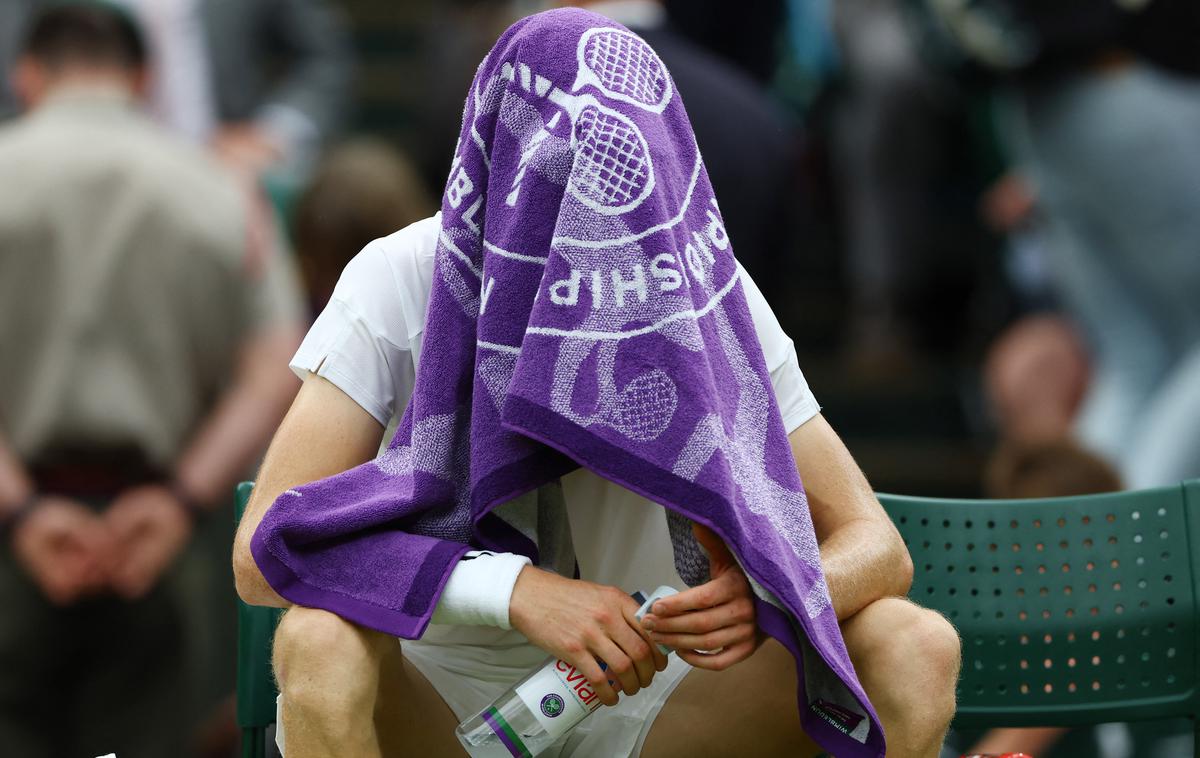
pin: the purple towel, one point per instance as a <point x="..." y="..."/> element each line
<point x="586" y="310"/>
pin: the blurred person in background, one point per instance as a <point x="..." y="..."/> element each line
<point x="748" y="146"/>
<point x="886" y="141"/>
<point x="364" y="189"/>
<point x="749" y="37"/>
<point x="1035" y="379"/>
<point x="128" y="297"/>
<point x="264" y="81"/>
<point x="1107" y="96"/>
<point x="1046" y="468"/>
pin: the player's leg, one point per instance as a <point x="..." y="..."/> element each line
<point x="410" y="716"/>
<point x="748" y="709"/>
<point x="907" y="660"/>
<point x="346" y="691"/>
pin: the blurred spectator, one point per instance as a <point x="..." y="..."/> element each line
<point x="810" y="54"/>
<point x="890" y="144"/>
<point x="1047" y="468"/>
<point x="363" y="190"/>
<point x="1035" y="379"/>
<point x="1009" y="207"/>
<point x="1116" y="155"/>
<point x="1109" y="97"/>
<point x="748" y="35"/>
<point x="748" y="147"/>
<point x="265" y="81"/>
<point x="145" y="352"/>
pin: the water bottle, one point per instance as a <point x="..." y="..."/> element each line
<point x="546" y="704"/>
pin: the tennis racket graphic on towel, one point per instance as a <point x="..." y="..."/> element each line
<point x="623" y="67"/>
<point x="612" y="174"/>
<point x="613" y="171"/>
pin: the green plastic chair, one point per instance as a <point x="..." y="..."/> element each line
<point x="1072" y="611"/>
<point x="255" y="683"/>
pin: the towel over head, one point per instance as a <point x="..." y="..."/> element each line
<point x="586" y="310"/>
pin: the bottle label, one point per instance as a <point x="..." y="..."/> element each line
<point x="559" y="696"/>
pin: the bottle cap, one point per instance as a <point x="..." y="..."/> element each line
<point x="654" y="597"/>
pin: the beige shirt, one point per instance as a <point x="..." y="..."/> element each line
<point x="125" y="282"/>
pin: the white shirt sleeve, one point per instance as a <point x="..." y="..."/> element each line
<point x="367" y="341"/>
<point x="797" y="404"/>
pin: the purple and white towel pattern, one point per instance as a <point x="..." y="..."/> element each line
<point x="586" y="310"/>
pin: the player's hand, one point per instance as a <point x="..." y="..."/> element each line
<point x="583" y="623"/>
<point x="150" y="528"/>
<point x="64" y="547"/>
<point x="711" y="626"/>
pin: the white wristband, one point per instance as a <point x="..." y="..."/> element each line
<point x="479" y="590"/>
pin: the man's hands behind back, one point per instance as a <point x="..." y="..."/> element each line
<point x="64" y="547"/>
<point x="71" y="552"/>
<point x="151" y="528"/>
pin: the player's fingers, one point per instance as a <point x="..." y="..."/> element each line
<point x="737" y="611"/>
<point x="718" y="661"/>
<point x="657" y="658"/>
<point x="598" y="679"/>
<point x="619" y="666"/>
<point x="635" y="643"/>
<point x="714" y="640"/>
<point x="722" y="589"/>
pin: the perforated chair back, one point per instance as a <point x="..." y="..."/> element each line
<point x="255" y="684"/>
<point x="1072" y="611"/>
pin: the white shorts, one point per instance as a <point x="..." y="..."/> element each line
<point x="470" y="676"/>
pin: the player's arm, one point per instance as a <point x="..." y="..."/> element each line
<point x="863" y="555"/>
<point x="324" y="433"/>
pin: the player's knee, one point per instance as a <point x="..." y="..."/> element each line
<point x="931" y="661"/>
<point x="940" y="650"/>
<point x="922" y="652"/>
<point x="317" y="655"/>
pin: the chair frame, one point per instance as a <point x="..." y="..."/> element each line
<point x="256" y="689"/>
<point x="1073" y="611"/>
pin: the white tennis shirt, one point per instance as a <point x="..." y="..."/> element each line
<point x="367" y="342"/>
